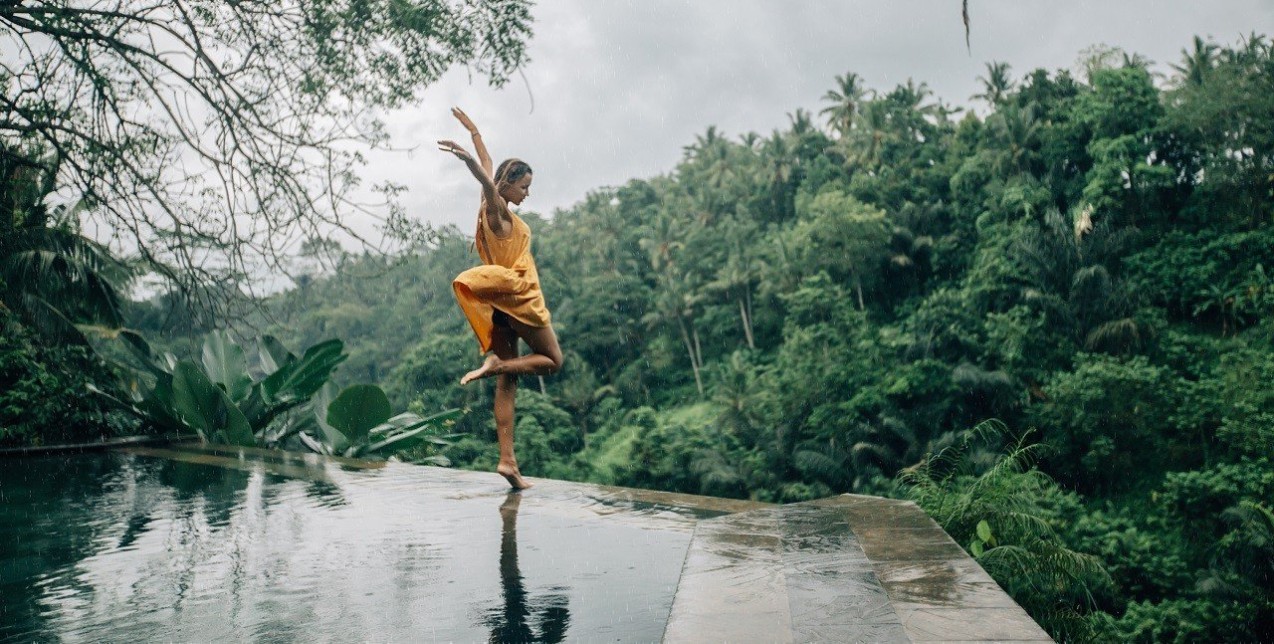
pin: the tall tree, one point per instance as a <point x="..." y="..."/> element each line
<point x="213" y="137"/>
<point x="51" y="276"/>
<point x="1197" y="62"/>
<point x="845" y="102"/>
<point x="996" y="85"/>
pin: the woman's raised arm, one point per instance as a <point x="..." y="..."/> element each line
<point x="483" y="158"/>
<point x="491" y="196"/>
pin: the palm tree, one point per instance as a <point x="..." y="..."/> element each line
<point x="844" y="103"/>
<point x="1068" y="278"/>
<point x="736" y="393"/>
<point x="734" y="278"/>
<point x="1197" y="63"/>
<point x="872" y="134"/>
<point x="580" y="393"/>
<point x="51" y="277"/>
<point x="1018" y="134"/>
<point x="779" y="161"/>
<point x="996" y="84"/>
<point x="711" y="168"/>
<point x="802" y="122"/>
<point x="676" y="301"/>
<point x="885" y="445"/>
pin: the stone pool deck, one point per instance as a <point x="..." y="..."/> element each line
<point x="845" y="569"/>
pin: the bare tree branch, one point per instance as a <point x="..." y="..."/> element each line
<point x="216" y="136"/>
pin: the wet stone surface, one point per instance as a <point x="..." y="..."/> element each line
<point x="201" y="542"/>
<point x="851" y="568"/>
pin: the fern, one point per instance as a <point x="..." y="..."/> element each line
<point x="1001" y="515"/>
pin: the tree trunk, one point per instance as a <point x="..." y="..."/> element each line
<point x="690" y="349"/>
<point x="747" y="323"/>
<point x="858" y="286"/>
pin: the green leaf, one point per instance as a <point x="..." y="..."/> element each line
<point x="226" y="364"/>
<point x="204" y="406"/>
<point x="333" y="441"/>
<point x="357" y="410"/>
<point x="399" y="441"/>
<point x="984" y="531"/>
<point x="273" y="354"/>
<point x="141" y="349"/>
<point x="314" y="445"/>
<point x="976" y="548"/>
<point x="408" y="420"/>
<point x="301" y="378"/>
<point x="293" y="383"/>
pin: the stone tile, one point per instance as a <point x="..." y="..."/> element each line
<point x="844" y="599"/>
<point x="962" y="570"/>
<point x="847" y="568"/>
<point x="955" y="595"/>
<point x="878" y="513"/>
<point x="825" y="564"/>
<point x="909" y="545"/>
<point x="855" y="634"/>
<point x="941" y="584"/>
<point x="757" y="523"/>
<point x="732" y="586"/>
<point x="964" y="625"/>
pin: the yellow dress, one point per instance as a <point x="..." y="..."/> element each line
<point x="507" y="281"/>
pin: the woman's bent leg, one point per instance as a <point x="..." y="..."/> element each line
<point x="546" y="356"/>
<point x="545" y="359"/>
<point x="505" y="345"/>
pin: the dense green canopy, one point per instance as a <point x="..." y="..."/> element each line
<point x="824" y="310"/>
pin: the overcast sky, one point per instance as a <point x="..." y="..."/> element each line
<point x="620" y="86"/>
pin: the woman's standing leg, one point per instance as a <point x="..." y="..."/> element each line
<point x="504" y="343"/>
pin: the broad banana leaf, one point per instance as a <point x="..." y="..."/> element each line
<point x="317" y="447"/>
<point x="293" y="383"/>
<point x="334" y="441"/>
<point x="273" y="354"/>
<point x="206" y="408"/>
<point x="357" y="410"/>
<point x="300" y="379"/>
<point x="408" y="420"/>
<point x="157" y="365"/>
<point x="407" y="430"/>
<point x="226" y="365"/>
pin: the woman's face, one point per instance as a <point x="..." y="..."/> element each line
<point x="517" y="191"/>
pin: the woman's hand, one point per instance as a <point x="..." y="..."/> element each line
<point x="464" y="120"/>
<point x="454" y="148"/>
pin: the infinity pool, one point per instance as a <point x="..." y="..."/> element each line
<point x="158" y="544"/>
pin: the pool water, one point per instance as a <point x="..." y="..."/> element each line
<point x="156" y="544"/>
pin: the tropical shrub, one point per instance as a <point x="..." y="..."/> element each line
<point x="1008" y="517"/>
<point x="217" y="398"/>
<point x="44" y="395"/>
<point x="357" y="422"/>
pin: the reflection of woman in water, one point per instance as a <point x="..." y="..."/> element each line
<point x="510" y="622"/>
<point x="502" y="298"/>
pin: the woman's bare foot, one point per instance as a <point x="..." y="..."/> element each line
<point x="513" y="476"/>
<point x="481" y="372"/>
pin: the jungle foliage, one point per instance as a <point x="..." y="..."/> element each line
<point x="832" y="306"/>
<point x="840" y="305"/>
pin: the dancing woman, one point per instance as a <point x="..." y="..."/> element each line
<point x="502" y="298"/>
